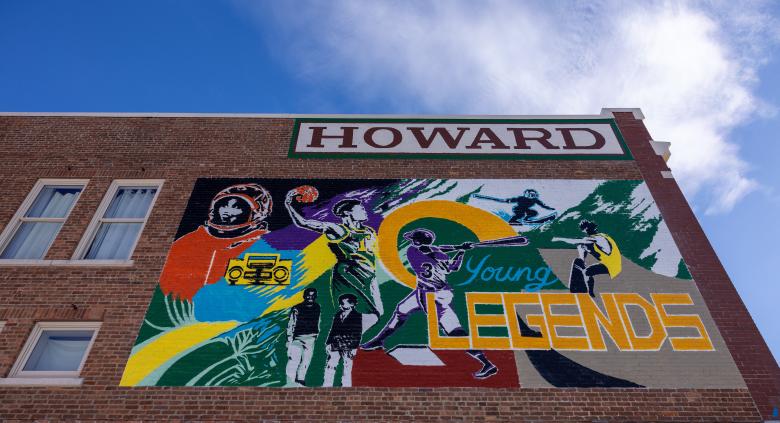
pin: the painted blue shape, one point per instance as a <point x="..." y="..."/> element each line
<point x="502" y="214"/>
<point x="221" y="301"/>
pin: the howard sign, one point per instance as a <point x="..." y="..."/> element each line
<point x="458" y="138"/>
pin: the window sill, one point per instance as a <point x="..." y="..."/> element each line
<point x="41" y="381"/>
<point x="69" y="263"/>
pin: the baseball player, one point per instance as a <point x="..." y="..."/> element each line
<point x="431" y="264"/>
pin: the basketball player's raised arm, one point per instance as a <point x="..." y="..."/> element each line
<point x="332" y="230"/>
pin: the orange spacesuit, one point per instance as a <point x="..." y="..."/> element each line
<point x="236" y="219"/>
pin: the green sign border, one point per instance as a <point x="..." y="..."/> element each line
<point x="401" y="156"/>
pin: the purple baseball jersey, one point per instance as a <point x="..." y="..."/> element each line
<point x="431" y="268"/>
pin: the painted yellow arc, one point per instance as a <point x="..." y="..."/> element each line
<point x="167" y="346"/>
<point x="485" y="226"/>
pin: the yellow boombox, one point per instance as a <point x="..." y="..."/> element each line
<point x="259" y="269"/>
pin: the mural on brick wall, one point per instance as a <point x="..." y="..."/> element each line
<point x="426" y="282"/>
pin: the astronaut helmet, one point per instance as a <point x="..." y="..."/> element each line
<point x="239" y="209"/>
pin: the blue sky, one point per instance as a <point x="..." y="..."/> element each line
<point x="706" y="74"/>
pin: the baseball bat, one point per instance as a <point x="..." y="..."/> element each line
<point x="512" y="241"/>
<point x="486" y="197"/>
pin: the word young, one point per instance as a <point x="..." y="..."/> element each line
<point x="539" y="277"/>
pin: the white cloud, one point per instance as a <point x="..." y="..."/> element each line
<point x="691" y="67"/>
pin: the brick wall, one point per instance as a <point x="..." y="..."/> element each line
<point x="747" y="347"/>
<point x="182" y="149"/>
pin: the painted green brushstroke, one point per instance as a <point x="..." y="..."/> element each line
<point x="626" y="224"/>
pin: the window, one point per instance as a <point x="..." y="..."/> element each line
<point x="32" y="230"/>
<point x="118" y="223"/>
<point x="54" y="350"/>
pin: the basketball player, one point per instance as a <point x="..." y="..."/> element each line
<point x="354" y="245"/>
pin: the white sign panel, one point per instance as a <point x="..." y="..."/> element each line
<point x="597" y="138"/>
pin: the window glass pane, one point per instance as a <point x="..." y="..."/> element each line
<point x="114" y="241"/>
<point x="59" y="350"/>
<point x="31" y="240"/>
<point x="130" y="202"/>
<point x="53" y="201"/>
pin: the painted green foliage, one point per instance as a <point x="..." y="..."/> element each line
<point x="632" y="222"/>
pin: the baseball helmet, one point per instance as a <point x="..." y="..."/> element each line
<point x="420" y="237"/>
<point x="241" y="207"/>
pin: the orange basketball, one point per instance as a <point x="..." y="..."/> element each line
<point x="306" y="193"/>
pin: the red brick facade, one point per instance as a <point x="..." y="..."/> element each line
<point x="181" y="149"/>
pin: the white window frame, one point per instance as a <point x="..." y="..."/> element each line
<point x="19" y="377"/>
<point x="18" y="218"/>
<point x="97" y="219"/>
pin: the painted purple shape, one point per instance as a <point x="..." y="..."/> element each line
<point x="290" y="238"/>
<point x="294" y="238"/>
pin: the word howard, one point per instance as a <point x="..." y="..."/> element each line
<point x="458" y="138"/>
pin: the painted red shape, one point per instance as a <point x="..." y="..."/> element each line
<point x="377" y="369"/>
